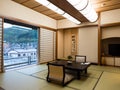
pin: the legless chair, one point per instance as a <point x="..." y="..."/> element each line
<point x="57" y="73"/>
<point x="80" y="58"/>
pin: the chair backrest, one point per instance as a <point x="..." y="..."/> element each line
<point x="56" y="72"/>
<point x="80" y="58"/>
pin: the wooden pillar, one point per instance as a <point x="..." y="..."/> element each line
<point x="99" y="39"/>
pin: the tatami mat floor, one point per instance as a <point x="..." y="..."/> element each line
<point x="34" y="78"/>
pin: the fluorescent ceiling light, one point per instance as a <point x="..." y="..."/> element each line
<point x="89" y="13"/>
<point x="66" y="15"/>
<point x="69" y="17"/>
<point x="74" y="2"/>
<point x="81" y="5"/>
<point x="85" y="8"/>
<point x="59" y="11"/>
<point x="78" y="4"/>
<point x="52" y="7"/>
<point x="43" y="2"/>
<point x="74" y="20"/>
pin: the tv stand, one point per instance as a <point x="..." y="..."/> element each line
<point x="114" y="60"/>
<point x="110" y="60"/>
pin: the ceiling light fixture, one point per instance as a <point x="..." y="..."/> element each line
<point x="69" y="17"/>
<point x="50" y="6"/>
<point x="85" y="8"/>
<point x="55" y="8"/>
<point x="43" y="2"/>
<point x="78" y="4"/>
<point x="58" y="10"/>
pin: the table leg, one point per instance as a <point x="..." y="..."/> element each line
<point x="78" y="74"/>
<point x="86" y="71"/>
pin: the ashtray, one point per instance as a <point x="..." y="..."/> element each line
<point x="69" y="62"/>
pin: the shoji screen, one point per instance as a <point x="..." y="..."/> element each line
<point x="47" y="45"/>
<point x="1" y="46"/>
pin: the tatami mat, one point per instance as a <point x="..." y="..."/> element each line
<point x="41" y="74"/>
<point x="52" y="86"/>
<point x="90" y="80"/>
<point x="94" y="73"/>
<point x="34" y="78"/>
<point x="105" y="68"/>
<point x="109" y="81"/>
<point x="91" y="73"/>
<point x="33" y="69"/>
<point x="17" y="81"/>
<point x="84" y="83"/>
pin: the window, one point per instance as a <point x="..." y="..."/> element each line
<point x="19" y="38"/>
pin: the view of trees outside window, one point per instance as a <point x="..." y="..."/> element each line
<point x="20" y="45"/>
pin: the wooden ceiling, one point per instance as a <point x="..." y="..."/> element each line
<point x="99" y="5"/>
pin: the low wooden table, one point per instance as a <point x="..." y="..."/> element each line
<point x="74" y="66"/>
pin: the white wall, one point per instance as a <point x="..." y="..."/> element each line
<point x="111" y="32"/>
<point x="111" y="16"/>
<point x="88" y="43"/>
<point x="10" y="8"/>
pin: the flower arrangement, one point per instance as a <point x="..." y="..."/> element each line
<point x="70" y="57"/>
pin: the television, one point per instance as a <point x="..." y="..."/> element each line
<point x="114" y="49"/>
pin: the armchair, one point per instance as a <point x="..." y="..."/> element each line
<point x="80" y="58"/>
<point x="57" y="73"/>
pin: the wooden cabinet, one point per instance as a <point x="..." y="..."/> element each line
<point x="112" y="61"/>
<point x="108" y="31"/>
